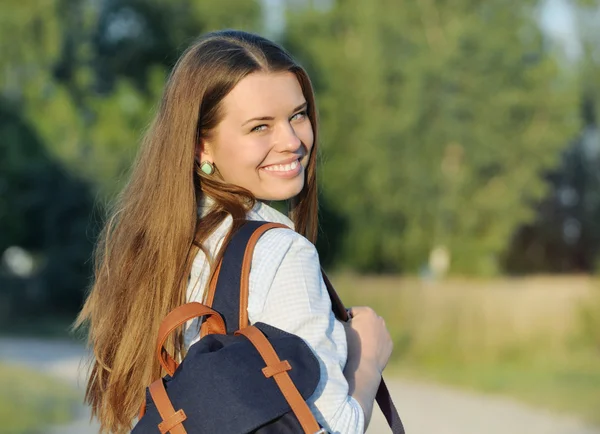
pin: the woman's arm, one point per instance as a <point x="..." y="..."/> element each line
<point x="363" y="383"/>
<point x="288" y="292"/>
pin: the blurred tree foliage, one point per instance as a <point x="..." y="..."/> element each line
<point x="78" y="84"/>
<point x="565" y="236"/>
<point x="46" y="211"/>
<point x="99" y="68"/>
<point x="440" y="119"/>
<point x="444" y="124"/>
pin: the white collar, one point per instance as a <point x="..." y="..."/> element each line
<point x="260" y="211"/>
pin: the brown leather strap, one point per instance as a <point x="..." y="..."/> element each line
<point x="176" y="318"/>
<point x="247" y="262"/>
<point x="282" y="366"/>
<point x="206" y="329"/>
<point x="282" y="378"/>
<point x="210" y="297"/>
<point x="171" y="420"/>
<point x="142" y="411"/>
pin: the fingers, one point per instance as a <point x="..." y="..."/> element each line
<point x="359" y="310"/>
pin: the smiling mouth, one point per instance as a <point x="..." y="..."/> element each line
<point x="283" y="167"/>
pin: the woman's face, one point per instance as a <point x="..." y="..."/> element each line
<point x="265" y="137"/>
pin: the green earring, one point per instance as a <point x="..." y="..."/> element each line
<point x="207" y="167"/>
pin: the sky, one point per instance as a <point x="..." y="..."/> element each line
<point x="558" y="21"/>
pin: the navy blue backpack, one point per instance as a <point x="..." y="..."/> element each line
<point x="238" y="378"/>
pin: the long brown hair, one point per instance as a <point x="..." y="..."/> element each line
<point x="153" y="233"/>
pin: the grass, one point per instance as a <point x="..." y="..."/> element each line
<point x="30" y="401"/>
<point x="532" y="338"/>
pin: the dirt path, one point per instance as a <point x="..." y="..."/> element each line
<point x="434" y="409"/>
<point x="425" y="408"/>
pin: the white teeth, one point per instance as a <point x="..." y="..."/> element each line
<point x="282" y="167"/>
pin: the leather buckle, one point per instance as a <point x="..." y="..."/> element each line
<point x="321" y="431"/>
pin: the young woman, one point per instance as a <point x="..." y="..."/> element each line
<point x="235" y="130"/>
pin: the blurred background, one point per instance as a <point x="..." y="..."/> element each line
<point x="459" y="176"/>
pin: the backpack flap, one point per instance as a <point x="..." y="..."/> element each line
<point x="222" y="384"/>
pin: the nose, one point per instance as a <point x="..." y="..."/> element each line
<point x="287" y="140"/>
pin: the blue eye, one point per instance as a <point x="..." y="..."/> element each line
<point x="258" y="128"/>
<point x="302" y="113"/>
<point x="298" y="116"/>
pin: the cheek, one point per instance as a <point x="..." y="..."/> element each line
<point x="306" y="135"/>
<point x="243" y="154"/>
<point x="254" y="151"/>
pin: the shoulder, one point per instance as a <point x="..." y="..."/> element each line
<point x="278" y="245"/>
<point x="285" y="259"/>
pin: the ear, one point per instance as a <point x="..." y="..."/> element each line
<point x="203" y="152"/>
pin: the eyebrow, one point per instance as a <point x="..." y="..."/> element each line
<point x="270" y="118"/>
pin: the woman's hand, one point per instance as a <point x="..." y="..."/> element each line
<point x="368" y="338"/>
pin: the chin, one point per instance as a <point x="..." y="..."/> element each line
<point x="282" y="193"/>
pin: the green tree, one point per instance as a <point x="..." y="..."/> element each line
<point x="438" y="122"/>
<point x="46" y="212"/>
<point x="131" y="36"/>
<point x="566" y="232"/>
<point x="77" y="88"/>
<point x="88" y="75"/>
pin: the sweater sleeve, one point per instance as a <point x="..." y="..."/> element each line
<point x="287" y="291"/>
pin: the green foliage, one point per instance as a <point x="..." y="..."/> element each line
<point x="45" y="211"/>
<point x="439" y="125"/>
<point x="155" y="32"/>
<point x="438" y="122"/>
<point x="79" y="81"/>
<point x="90" y="90"/>
<point x="565" y="235"/>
